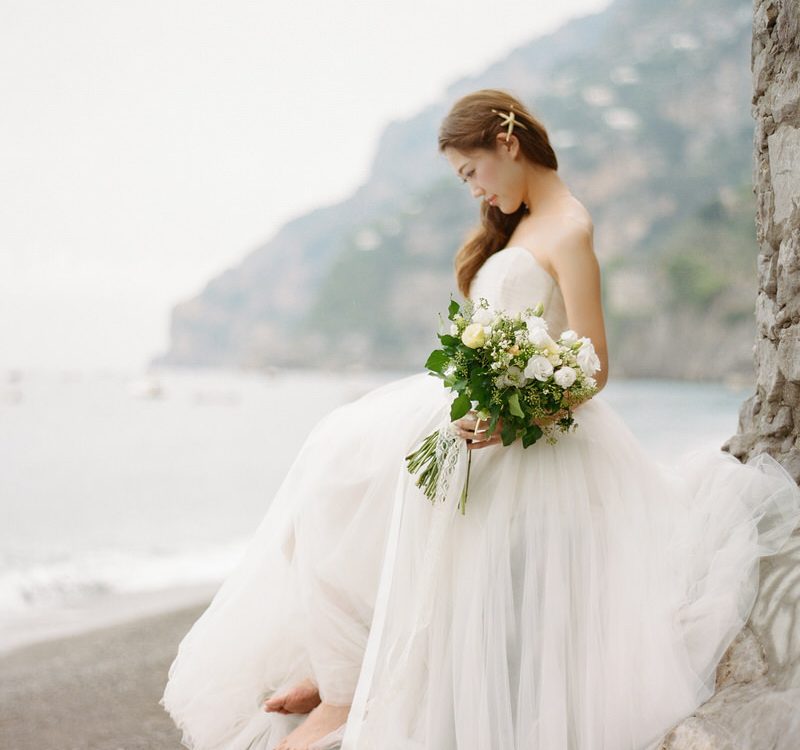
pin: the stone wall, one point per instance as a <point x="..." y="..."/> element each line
<point x="758" y="681"/>
<point x="769" y="419"/>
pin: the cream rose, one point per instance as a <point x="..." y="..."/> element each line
<point x="474" y="336"/>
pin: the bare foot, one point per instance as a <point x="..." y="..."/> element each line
<point x="298" y="699"/>
<point x="323" y="720"/>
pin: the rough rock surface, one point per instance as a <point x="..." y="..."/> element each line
<point x="761" y="669"/>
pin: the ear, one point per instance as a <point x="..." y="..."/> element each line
<point x="510" y="146"/>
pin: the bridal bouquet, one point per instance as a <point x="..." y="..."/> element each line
<point x="502" y="366"/>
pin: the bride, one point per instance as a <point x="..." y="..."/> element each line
<point x="583" y="601"/>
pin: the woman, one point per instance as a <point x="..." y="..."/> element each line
<point x="582" y="603"/>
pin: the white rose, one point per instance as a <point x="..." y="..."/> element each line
<point x="538" y="367"/>
<point x="483" y="316"/>
<point x="565" y="376"/>
<point x="535" y="323"/>
<point x="587" y="358"/>
<point x="569" y="336"/>
<point x="539" y="337"/>
<point x="474" y="336"/>
<point x="553" y="358"/>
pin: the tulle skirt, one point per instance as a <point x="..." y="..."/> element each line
<point x="583" y="601"/>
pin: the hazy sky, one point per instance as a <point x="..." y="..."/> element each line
<point x="146" y="146"/>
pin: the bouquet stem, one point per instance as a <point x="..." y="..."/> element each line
<point x="462" y="503"/>
<point x="435" y="461"/>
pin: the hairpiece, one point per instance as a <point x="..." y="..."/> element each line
<point x="508" y="119"/>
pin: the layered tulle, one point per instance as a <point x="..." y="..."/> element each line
<point x="299" y="603"/>
<point x="583" y="602"/>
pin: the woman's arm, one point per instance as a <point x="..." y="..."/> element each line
<point x="577" y="271"/>
<point x="578" y="274"/>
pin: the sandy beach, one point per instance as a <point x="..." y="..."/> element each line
<point x="94" y="691"/>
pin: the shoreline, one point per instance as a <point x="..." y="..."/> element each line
<point x="95" y="690"/>
<point x="112" y="609"/>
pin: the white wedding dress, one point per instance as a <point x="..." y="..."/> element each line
<point x="583" y="601"/>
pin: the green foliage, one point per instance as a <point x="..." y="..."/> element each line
<point x="711" y="255"/>
<point x="694" y="279"/>
<point x="482" y="360"/>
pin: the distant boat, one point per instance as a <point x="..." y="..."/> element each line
<point x="11" y="395"/>
<point x="146" y="387"/>
<point x="738" y="382"/>
<point x="222" y="396"/>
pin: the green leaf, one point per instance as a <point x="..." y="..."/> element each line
<point x="437" y="360"/>
<point x="449" y="340"/>
<point x="453" y="308"/>
<point x="460" y="406"/>
<point x="531" y="435"/>
<point x="509" y="432"/>
<point x="513" y="404"/>
<point x="477" y="385"/>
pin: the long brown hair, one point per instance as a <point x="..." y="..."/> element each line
<point x="472" y="125"/>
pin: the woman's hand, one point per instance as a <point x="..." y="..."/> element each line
<point x="477" y="438"/>
<point x="549" y="419"/>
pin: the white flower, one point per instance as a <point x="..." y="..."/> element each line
<point x="590" y="381"/>
<point x="587" y="358"/>
<point x="474" y="336"/>
<point x="541" y="338"/>
<point x="512" y="376"/>
<point x="483" y="316"/>
<point x="554" y="358"/>
<point x="535" y="323"/>
<point x="565" y="376"/>
<point x="538" y="367"/>
<point x="569" y="336"/>
<point x="453" y="329"/>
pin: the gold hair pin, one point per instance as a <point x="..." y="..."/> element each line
<point x="508" y="119"/>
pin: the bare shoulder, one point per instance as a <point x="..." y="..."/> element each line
<point x="565" y="233"/>
<point x="570" y="208"/>
<point x="570" y="219"/>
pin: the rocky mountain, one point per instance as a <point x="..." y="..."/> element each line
<point x="648" y="107"/>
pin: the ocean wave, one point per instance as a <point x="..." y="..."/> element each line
<point x="87" y="577"/>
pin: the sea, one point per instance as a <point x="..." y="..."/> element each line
<point x="124" y="494"/>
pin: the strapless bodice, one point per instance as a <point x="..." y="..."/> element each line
<point x="512" y="279"/>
